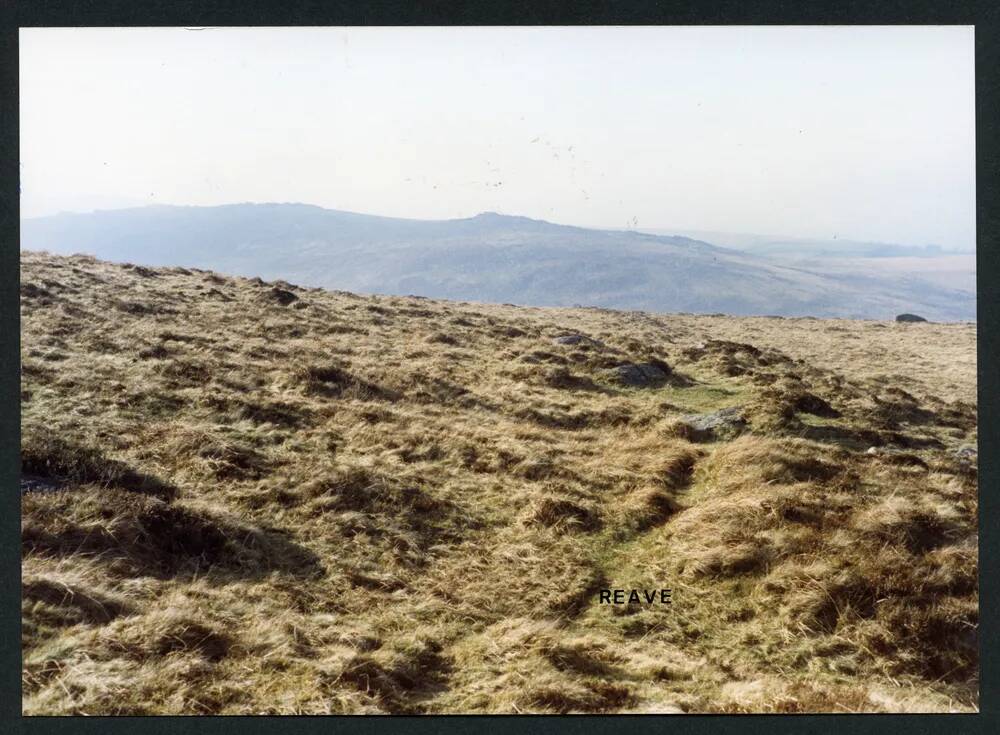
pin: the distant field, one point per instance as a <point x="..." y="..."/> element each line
<point x="243" y="497"/>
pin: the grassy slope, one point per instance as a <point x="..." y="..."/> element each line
<point x="378" y="504"/>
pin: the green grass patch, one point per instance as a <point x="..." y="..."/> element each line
<point x="702" y="398"/>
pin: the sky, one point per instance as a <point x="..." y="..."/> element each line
<point x="863" y="133"/>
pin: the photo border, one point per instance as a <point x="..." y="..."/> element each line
<point x="983" y="15"/>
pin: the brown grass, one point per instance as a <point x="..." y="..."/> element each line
<point x="250" y="497"/>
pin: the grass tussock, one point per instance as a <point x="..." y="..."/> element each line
<point x="242" y="497"/>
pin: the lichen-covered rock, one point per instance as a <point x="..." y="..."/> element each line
<point x="722" y="424"/>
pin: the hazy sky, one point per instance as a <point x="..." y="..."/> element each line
<point x="862" y="133"/>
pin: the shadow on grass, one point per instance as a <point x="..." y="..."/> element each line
<point x="144" y="536"/>
<point x="49" y="459"/>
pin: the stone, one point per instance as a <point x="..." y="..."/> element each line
<point x="722" y="424"/>
<point x="967" y="456"/>
<point x="576" y="339"/>
<point x="640" y="375"/>
<point x="910" y="318"/>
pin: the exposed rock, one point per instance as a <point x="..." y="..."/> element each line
<point x="967" y="456"/>
<point x="722" y="424"/>
<point x="966" y="452"/>
<point x="576" y="339"/>
<point x="910" y="318"/>
<point x="640" y="375"/>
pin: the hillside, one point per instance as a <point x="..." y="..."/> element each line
<point x="491" y="258"/>
<point x="242" y="497"/>
<point x="804" y="247"/>
<point x="908" y="267"/>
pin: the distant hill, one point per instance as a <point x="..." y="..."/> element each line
<point x="800" y="247"/>
<point x="489" y="258"/>
<point x="950" y="269"/>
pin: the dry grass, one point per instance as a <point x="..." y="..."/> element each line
<point x="251" y="497"/>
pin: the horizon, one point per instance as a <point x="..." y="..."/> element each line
<point x="862" y="134"/>
<point x="655" y="230"/>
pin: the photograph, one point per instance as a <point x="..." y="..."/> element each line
<point x="498" y="370"/>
